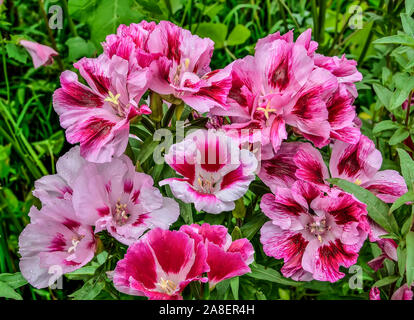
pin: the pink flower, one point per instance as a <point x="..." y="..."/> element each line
<point x="403" y="293"/>
<point x="114" y="197"/>
<point x="374" y="294"/>
<point x="160" y="265"/>
<point x="359" y="163"/>
<point x="183" y="70"/>
<point x="215" y="171"/>
<point x="41" y="55"/>
<point x="131" y="43"/>
<point x="57" y="187"/>
<point x="98" y="116"/>
<point x="56" y="240"/>
<point x="387" y="246"/>
<point x="314" y="233"/>
<point x="225" y="258"/>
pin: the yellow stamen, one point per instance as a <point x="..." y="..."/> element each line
<point x="167" y="286"/>
<point x="74" y="245"/>
<point x="358" y="182"/>
<point x="113" y="99"/>
<point x="186" y="62"/>
<point x="267" y="110"/>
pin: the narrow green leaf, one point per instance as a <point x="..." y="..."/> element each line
<point x="268" y="274"/>
<point x="234" y="284"/>
<point x="407" y="168"/>
<point x="239" y="211"/>
<point x="407" y="197"/>
<point x="383" y="94"/>
<point x="90" y="290"/>
<point x="403" y="39"/>
<point x="386" y="281"/>
<point x="402" y="259"/>
<point x="250" y="228"/>
<point x="376" y="208"/>
<point x="410" y="258"/>
<point x="408" y="24"/>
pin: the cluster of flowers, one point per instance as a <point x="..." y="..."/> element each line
<point x="285" y="88"/>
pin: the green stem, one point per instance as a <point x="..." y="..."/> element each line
<point x="407" y="116"/>
<point x="70" y="21"/>
<point x="321" y="23"/>
<point x="315" y="20"/>
<point x="6" y="78"/>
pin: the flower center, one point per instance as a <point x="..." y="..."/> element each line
<point x="114" y="101"/>
<point x="167" y="286"/>
<point x="267" y="110"/>
<point x="75" y="242"/>
<point x="318" y="228"/>
<point x="206" y="185"/>
<point x="358" y="182"/>
<point x="121" y="216"/>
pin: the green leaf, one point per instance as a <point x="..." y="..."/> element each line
<point x="407" y="168"/>
<point x="239" y="211"/>
<point x="408" y="223"/>
<point x="107" y="15"/>
<point x="147" y="149"/>
<point x="383" y="94"/>
<point x="81" y="9"/>
<point x="79" y="47"/>
<point x="7" y="291"/>
<point x="268" y="274"/>
<point x="399" y="136"/>
<point x="386" y="281"/>
<point x="410" y="258"/>
<point x="402" y="259"/>
<point x="215" y="31"/>
<point x="407" y="197"/>
<point x="53" y="144"/>
<point x="90" y="290"/>
<point x="403" y="39"/>
<point x="234" y="284"/>
<point x="186" y="211"/>
<point x="409" y="7"/>
<point x="376" y="208"/>
<point x="238" y="35"/>
<point x="384" y="125"/>
<point x="408" y="24"/>
<point x="14" y="280"/>
<point x="4" y="160"/>
<point x="236" y="234"/>
<point x="250" y="228"/>
<point x="16" y="52"/>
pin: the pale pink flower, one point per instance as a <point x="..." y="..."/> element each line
<point x="387" y="246"/>
<point x="41" y="55"/>
<point x="59" y="186"/>
<point x="403" y="293"/>
<point x="314" y="232"/>
<point x="225" y="258"/>
<point x="160" y="265"/>
<point x="215" y="171"/>
<point x="98" y="116"/>
<point x="183" y="70"/>
<point x="114" y="197"/>
<point x="56" y="240"/>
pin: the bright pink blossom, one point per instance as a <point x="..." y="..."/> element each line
<point x="315" y="233"/>
<point x="374" y="294"/>
<point x="114" y="197"/>
<point x="97" y="116"/>
<point x="360" y="163"/>
<point x="56" y="241"/>
<point x="160" y="265"/>
<point x="41" y="55"/>
<point x="225" y="258"/>
<point x="183" y="70"/>
<point x="215" y="171"/>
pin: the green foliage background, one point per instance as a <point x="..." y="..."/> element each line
<point x="31" y="139"/>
